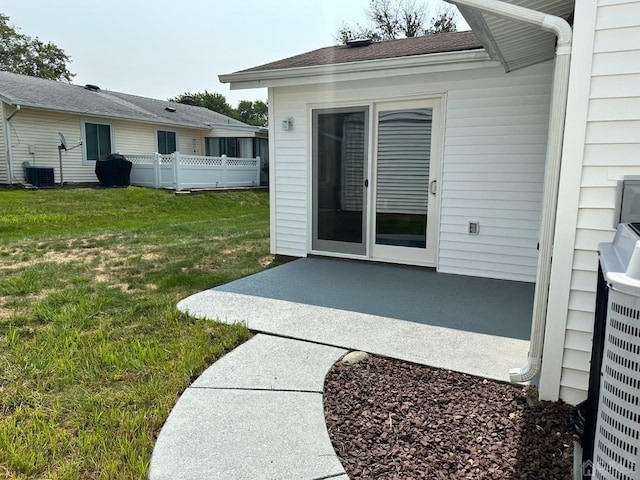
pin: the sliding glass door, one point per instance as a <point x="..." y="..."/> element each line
<point x="391" y="216"/>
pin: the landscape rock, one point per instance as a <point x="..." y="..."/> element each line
<point x="352" y="358"/>
<point x="392" y="420"/>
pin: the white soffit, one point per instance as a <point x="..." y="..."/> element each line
<point x="516" y="44"/>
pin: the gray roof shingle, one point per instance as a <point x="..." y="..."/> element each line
<point x="67" y="97"/>
<point x="405" y="47"/>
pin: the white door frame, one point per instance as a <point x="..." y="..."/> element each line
<point x="409" y="255"/>
<point x="435" y="101"/>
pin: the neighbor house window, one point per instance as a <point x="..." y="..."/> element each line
<point x="229" y="146"/>
<point x="166" y="142"/>
<point x="97" y="140"/>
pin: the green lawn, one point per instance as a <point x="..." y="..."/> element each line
<point x="93" y="353"/>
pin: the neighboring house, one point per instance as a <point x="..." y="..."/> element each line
<point x="34" y="110"/>
<point x="451" y="151"/>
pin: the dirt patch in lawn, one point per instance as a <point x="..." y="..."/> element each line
<point x="389" y="419"/>
<point x="266" y="261"/>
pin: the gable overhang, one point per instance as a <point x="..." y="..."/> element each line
<point x="417" y="64"/>
<point x="513" y="43"/>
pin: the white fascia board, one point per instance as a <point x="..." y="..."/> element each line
<point x="432" y="63"/>
<point x="6" y="100"/>
<point x="225" y="126"/>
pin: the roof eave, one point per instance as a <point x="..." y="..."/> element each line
<point x="434" y="62"/>
<point x="115" y="117"/>
<point x="226" y="126"/>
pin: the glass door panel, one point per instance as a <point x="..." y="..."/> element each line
<point x="402" y="193"/>
<point x="339" y="175"/>
<point x="405" y="221"/>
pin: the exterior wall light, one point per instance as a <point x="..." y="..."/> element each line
<point x="287" y="124"/>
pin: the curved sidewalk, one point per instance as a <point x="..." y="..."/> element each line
<point x="256" y="413"/>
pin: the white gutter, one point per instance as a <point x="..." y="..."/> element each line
<point x="230" y="126"/>
<point x="559" y="94"/>
<point x="265" y="78"/>
<point x="12" y="178"/>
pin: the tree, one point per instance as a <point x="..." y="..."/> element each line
<point x="20" y="53"/>
<point x="253" y="113"/>
<point x="390" y="19"/>
<point x="213" y="101"/>
<point x="444" y="21"/>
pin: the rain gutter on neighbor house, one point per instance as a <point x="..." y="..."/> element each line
<point x="9" y="149"/>
<point x="559" y="93"/>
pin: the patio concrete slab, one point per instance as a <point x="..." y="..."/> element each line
<point x="257" y="413"/>
<point x="272" y="363"/>
<point x="472" y="304"/>
<point x="470" y="325"/>
<point x="473" y="353"/>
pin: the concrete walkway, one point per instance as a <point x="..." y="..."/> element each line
<point x="254" y="414"/>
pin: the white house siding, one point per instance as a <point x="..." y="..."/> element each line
<point x="190" y="142"/>
<point x="495" y="145"/>
<point x="36" y="130"/>
<point x="494" y="150"/>
<point x="604" y="121"/>
<point x="140" y="138"/>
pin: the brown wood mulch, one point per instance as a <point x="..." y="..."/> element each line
<point x="389" y="419"/>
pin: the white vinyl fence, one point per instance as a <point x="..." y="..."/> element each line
<point x="184" y="172"/>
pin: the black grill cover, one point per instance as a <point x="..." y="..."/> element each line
<point x="113" y="171"/>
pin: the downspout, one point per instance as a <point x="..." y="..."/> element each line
<point x="9" y="150"/>
<point x="559" y="94"/>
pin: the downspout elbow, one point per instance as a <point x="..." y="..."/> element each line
<point x="527" y="372"/>
<point x="18" y="108"/>
<point x="562" y="30"/>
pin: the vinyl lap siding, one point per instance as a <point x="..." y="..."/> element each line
<point x="290" y="187"/>
<point x="133" y="138"/>
<point x="495" y="144"/>
<point x="140" y="139"/>
<point x="612" y="150"/>
<point x="493" y="162"/>
<point x="39" y="130"/>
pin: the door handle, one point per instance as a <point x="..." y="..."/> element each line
<point x="366" y="183"/>
<point x="433" y="187"/>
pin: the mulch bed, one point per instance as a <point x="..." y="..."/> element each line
<point x="389" y="419"/>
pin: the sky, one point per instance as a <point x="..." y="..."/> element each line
<point x="161" y="49"/>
